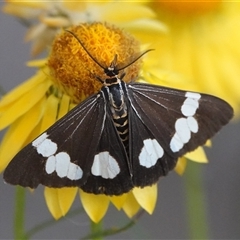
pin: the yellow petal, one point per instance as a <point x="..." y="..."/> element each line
<point x="30" y="4"/>
<point x="57" y="22"/>
<point x="59" y="200"/>
<point x="50" y="113"/>
<point x="34" y="133"/>
<point x="35" y="32"/>
<point x="64" y="106"/>
<point x="137" y="11"/>
<point x="37" y="63"/>
<point x="131" y="206"/>
<point x="72" y="105"/>
<point x="23" y="88"/>
<point x="118" y="201"/>
<point x="145" y="29"/>
<point x="20" y="11"/>
<point x="208" y="143"/>
<point x="181" y="165"/>
<point x="51" y="198"/>
<point x="78" y="5"/>
<point x="146" y="197"/>
<point x="18" y="132"/>
<point x="197" y="155"/>
<point x="95" y="205"/>
<point x="23" y="104"/>
<point x="66" y="197"/>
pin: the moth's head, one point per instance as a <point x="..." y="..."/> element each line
<point x="112" y="70"/>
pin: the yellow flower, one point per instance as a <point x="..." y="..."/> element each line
<point x="50" y="94"/>
<point x="46" y="18"/>
<point x="65" y="79"/>
<point x="202" y="46"/>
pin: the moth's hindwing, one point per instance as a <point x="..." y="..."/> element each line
<point x="63" y="155"/>
<point x="148" y="157"/>
<point x="165" y="124"/>
<point x="110" y="172"/>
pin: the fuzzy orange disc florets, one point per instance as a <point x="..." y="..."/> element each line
<point x="74" y="72"/>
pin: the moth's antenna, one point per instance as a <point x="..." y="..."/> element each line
<point x="119" y="69"/>
<point x="113" y="64"/>
<point x="90" y="55"/>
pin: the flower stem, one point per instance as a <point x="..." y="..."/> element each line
<point x="50" y="223"/>
<point x="19" y="220"/>
<point x="114" y="230"/>
<point x="196" y="202"/>
<point x="96" y="230"/>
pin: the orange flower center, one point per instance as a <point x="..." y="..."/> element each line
<point x="72" y="69"/>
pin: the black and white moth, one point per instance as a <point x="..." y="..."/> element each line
<point x="124" y="136"/>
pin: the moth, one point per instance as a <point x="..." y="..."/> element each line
<point x="125" y="136"/>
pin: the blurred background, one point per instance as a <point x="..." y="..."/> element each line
<point x="221" y="177"/>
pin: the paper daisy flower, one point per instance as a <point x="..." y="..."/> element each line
<point x="202" y="45"/>
<point x="51" y="98"/>
<point x="63" y="80"/>
<point x="45" y="19"/>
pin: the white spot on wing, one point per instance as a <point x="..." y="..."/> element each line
<point x="193" y="95"/>
<point x="59" y="163"/>
<point x="176" y="143"/>
<point x="39" y="140"/>
<point x="105" y="165"/>
<point x="50" y="166"/>
<point x="184" y="126"/>
<point x="189" y="107"/>
<point x="62" y="164"/>
<point x="79" y="173"/>
<point x="193" y="124"/>
<point x="191" y="104"/>
<point x="74" y="172"/>
<point x="150" y="153"/>
<point x="182" y="130"/>
<point x="63" y="167"/>
<point x="45" y="146"/>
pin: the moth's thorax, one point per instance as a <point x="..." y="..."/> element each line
<point x="112" y="80"/>
<point x="114" y="89"/>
